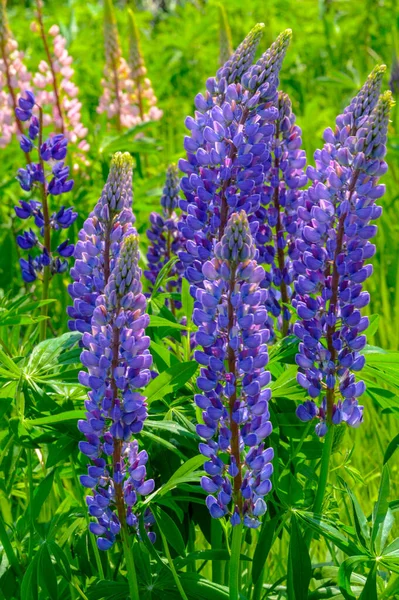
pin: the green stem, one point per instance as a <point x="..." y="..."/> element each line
<point x="235" y="574"/>
<point x="172" y="567"/>
<point x="30" y="480"/>
<point x="131" y="569"/>
<point x="44" y="308"/>
<point x="216" y="543"/>
<point x="323" y="477"/>
<point x="91" y="536"/>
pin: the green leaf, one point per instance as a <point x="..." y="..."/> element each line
<point x="29" y="587"/>
<point x="186" y="299"/>
<point x="187" y="468"/>
<point x="392" y="447"/>
<point x="199" y="588"/>
<point x="169" y="529"/>
<point x="327" y="529"/>
<point x="205" y="555"/>
<point x="163" y="273"/>
<point x="263" y="546"/>
<point x="156" y="321"/>
<point x="69" y="415"/>
<point x="61" y="560"/>
<point x="370" y="589"/>
<point x="8" y="549"/>
<point x="46" y="573"/>
<point x="170" y="380"/>
<point x="41" y="493"/>
<point x="382" y="515"/>
<point x="361" y="524"/>
<point x="163" y="357"/>
<point x="345" y="572"/>
<point x="299" y="565"/>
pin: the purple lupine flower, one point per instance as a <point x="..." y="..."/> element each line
<point x="332" y="251"/>
<point x="228" y="151"/>
<point x="233" y="333"/>
<point x="50" y="166"/>
<point x="117" y="359"/>
<point x="99" y="242"/>
<point x="165" y="238"/>
<point x="277" y="216"/>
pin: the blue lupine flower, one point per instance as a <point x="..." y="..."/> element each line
<point x="233" y="332"/>
<point x="50" y="161"/>
<point x="333" y="250"/>
<point x="102" y="233"/>
<point x="277" y="216"/>
<point x="117" y="359"/>
<point x="165" y="238"/>
<point x="228" y="151"/>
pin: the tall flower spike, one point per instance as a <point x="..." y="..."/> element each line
<point x="49" y="176"/>
<point x="14" y="80"/>
<point x="278" y="219"/>
<point x="99" y="242"/>
<point x="233" y="333"/>
<point x="165" y="238"/>
<point x="117" y="359"/>
<point x="331" y="269"/>
<point x="225" y="40"/>
<point x="58" y="91"/>
<point x="239" y="62"/>
<point x="116" y="83"/>
<point x="228" y="157"/>
<point x="141" y="91"/>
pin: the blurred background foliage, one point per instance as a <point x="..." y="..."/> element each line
<point x="335" y="44"/>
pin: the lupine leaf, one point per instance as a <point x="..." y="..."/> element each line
<point x="299" y="565"/>
<point x="170" y="530"/>
<point x="170" y="380"/>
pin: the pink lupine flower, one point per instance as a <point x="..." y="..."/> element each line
<point x="56" y="88"/>
<point x="14" y="80"/>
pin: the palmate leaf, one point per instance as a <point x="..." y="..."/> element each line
<point x="170" y="380"/>
<point x="345" y="572"/>
<point x="328" y="529"/>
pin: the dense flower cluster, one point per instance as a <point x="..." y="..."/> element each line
<point x="127" y="94"/>
<point x="57" y="90"/>
<point x="14" y="80"/>
<point x="232" y="330"/>
<point x="98" y="247"/>
<point x="165" y="238"/>
<point x="50" y="176"/>
<point x="332" y="251"/>
<point x="140" y="88"/>
<point x="277" y="217"/>
<point x="228" y="151"/>
<point x="110" y="308"/>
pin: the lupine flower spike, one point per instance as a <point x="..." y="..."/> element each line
<point x="228" y="151"/>
<point x="165" y="238"/>
<point x="57" y="90"/>
<point x="334" y="247"/>
<point x="117" y="359"/>
<point x="14" y="80"/>
<point x="141" y="92"/>
<point x="233" y="332"/>
<point x="50" y="176"/>
<point x="98" y="247"/>
<point x="225" y="40"/>
<point x="116" y="83"/>
<point x="278" y="214"/>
